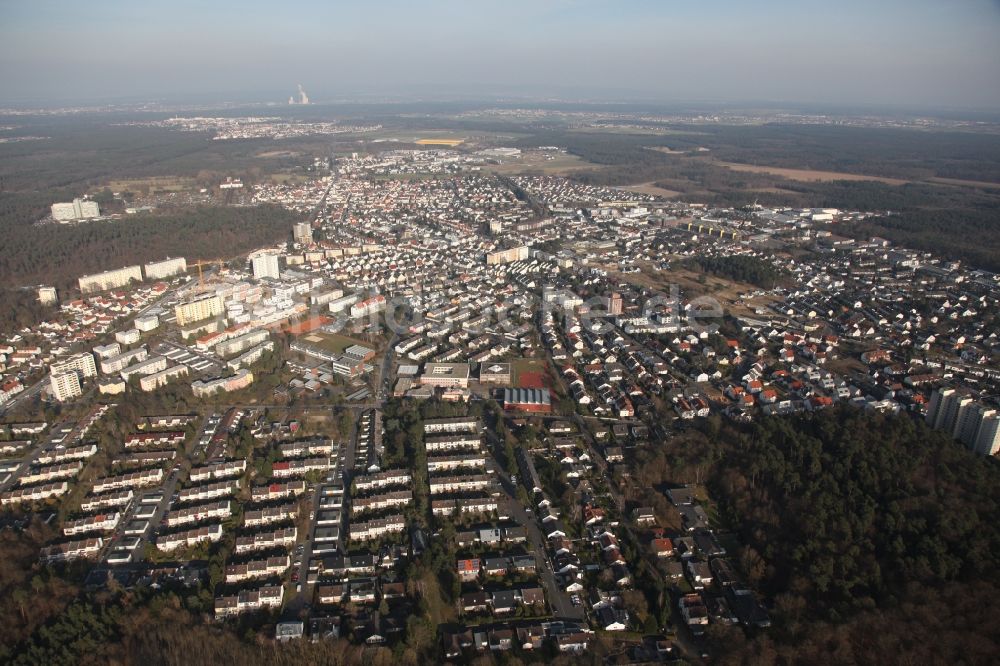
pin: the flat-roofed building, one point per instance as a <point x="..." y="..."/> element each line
<point x="446" y="375"/>
<point x="158" y="270"/>
<point x="119" y="277"/>
<point x="65" y="386"/>
<point x="199" y="309"/>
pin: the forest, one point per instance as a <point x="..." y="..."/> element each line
<point x="871" y="538"/>
<point x="58" y="254"/>
<point x="740" y="268"/>
<point x="862" y="528"/>
<point x="958" y="222"/>
<point x="971" y="235"/>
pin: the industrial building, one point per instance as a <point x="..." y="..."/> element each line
<point x="78" y="209"/>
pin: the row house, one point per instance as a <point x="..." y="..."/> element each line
<point x="306" y="447"/>
<point x="383" y="479"/>
<point x="222" y="470"/>
<point x="115" y="499"/>
<point x="102" y="522"/>
<point x="274" y="491"/>
<point x="144" y="439"/>
<point x="453" y="443"/>
<point x="264" y="540"/>
<point x="34" y="493"/>
<point x="301" y="467"/>
<point x="72" y="453"/>
<point x="375" y="529"/>
<point x="270" y="514"/>
<point x="263" y="568"/>
<point x="207" y="491"/>
<point x="460" y="484"/>
<point x="453" y="425"/>
<point x="449" y="507"/>
<point x="447" y="463"/>
<point x="164" y="421"/>
<point x="379" y="502"/>
<point x="199" y="512"/>
<point x="72" y="550"/>
<point x="169" y="542"/>
<point x="51" y="473"/>
<point x="248" y="601"/>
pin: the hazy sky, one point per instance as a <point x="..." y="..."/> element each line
<point x="903" y="52"/>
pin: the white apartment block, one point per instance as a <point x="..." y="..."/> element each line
<point x="250" y="356"/>
<point x="65" y="386"/>
<point x="155" y="380"/>
<point x="158" y="270"/>
<point x="988" y="435"/>
<point x="82" y="363"/>
<point x="146" y="323"/>
<point x="119" y="362"/>
<point x="108" y="350"/>
<point x="150" y="366"/>
<point x="265" y="266"/>
<point x="113" y="279"/>
<point x="241" y="342"/>
<point x="241" y="379"/>
<point x="199" y="309"/>
<point x="306" y="447"/>
<point x="128" y="337"/>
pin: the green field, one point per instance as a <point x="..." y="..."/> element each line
<point x="332" y="342"/>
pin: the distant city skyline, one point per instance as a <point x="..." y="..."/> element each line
<point x="917" y="54"/>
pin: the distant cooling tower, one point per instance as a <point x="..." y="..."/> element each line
<point x="303" y="97"/>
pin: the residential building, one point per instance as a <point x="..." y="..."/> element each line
<point x="113" y="279"/>
<point x="265" y="266"/>
<point x="201" y="308"/>
<point x="159" y="270"/>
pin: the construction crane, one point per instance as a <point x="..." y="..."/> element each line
<point x="212" y="262"/>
